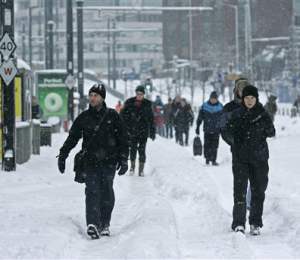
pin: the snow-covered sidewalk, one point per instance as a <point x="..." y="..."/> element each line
<point x="180" y="209"/>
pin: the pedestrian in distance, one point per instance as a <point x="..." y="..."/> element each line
<point x="119" y="106"/>
<point x="210" y="114"/>
<point x="106" y="145"/>
<point x="271" y="106"/>
<point x="158" y="111"/>
<point x="250" y="126"/>
<point x="175" y="108"/>
<point x="168" y="117"/>
<point x="139" y="120"/>
<point x="183" y="120"/>
<point x="36" y="110"/>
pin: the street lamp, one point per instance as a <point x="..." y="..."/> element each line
<point x="236" y="18"/>
<point x="30" y="32"/>
<point x="80" y="74"/>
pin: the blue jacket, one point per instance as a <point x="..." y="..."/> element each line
<point x="211" y="115"/>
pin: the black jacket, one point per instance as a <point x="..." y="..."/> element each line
<point x="183" y="117"/>
<point x="228" y="111"/>
<point x="108" y="147"/>
<point x="139" y="121"/>
<point x="250" y="129"/>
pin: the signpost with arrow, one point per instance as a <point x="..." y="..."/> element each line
<point x="8" y="72"/>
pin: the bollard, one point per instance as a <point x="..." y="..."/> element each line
<point x="36" y="136"/>
<point x="23" y="142"/>
<point x="45" y="134"/>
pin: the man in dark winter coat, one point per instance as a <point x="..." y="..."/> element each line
<point x="168" y="116"/>
<point x="105" y="141"/>
<point x="183" y="119"/>
<point x="271" y="106"/>
<point x="138" y="118"/>
<point x="210" y="112"/>
<point x="176" y="105"/>
<point x="228" y="110"/>
<point x="250" y="126"/>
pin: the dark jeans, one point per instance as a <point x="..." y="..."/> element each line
<point x="169" y="130"/>
<point x="211" y="144"/>
<point x="99" y="196"/>
<point x="138" y="144"/>
<point x="182" y="132"/>
<point x="257" y="173"/>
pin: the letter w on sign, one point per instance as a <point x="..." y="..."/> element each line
<point x="8" y="71"/>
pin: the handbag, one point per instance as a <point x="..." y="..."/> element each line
<point x="197" y="146"/>
<point x="79" y="158"/>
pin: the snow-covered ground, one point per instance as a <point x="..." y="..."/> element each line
<point x="180" y="209"/>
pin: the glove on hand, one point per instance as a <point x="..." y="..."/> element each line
<point x="122" y="167"/>
<point x="61" y="164"/>
<point x="152" y="136"/>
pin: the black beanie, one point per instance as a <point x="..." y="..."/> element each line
<point x="99" y="88"/>
<point x="213" y="95"/>
<point x="250" y="90"/>
<point x="140" y="88"/>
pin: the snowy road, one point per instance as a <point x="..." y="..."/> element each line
<point x="181" y="209"/>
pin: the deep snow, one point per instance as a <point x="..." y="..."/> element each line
<point x="180" y="209"/>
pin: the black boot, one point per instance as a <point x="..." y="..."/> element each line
<point x="132" y="167"/>
<point x="141" y="169"/>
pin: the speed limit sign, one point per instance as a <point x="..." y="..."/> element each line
<point x="7" y="46"/>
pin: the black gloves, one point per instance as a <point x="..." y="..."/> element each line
<point x="61" y="162"/>
<point x="197" y="131"/>
<point x="122" y="167"/>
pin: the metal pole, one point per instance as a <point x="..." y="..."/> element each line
<point x="237" y="47"/>
<point x="250" y="38"/>
<point x="80" y="75"/>
<point x="46" y="33"/>
<point x="40" y="34"/>
<point x="191" y="53"/>
<point x="246" y="40"/>
<point x="30" y="36"/>
<point x="23" y="42"/>
<point x="50" y="27"/>
<point x="8" y="95"/>
<point x="70" y="66"/>
<point x="114" y="56"/>
<point x="108" y="52"/>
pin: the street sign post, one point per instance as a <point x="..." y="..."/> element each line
<point x="70" y="81"/>
<point x="8" y="71"/>
<point x="7" y="46"/>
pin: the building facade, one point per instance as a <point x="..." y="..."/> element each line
<point x="135" y="37"/>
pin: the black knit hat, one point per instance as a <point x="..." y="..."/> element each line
<point x="213" y="95"/>
<point x="98" y="88"/>
<point x="140" y="88"/>
<point x="250" y="90"/>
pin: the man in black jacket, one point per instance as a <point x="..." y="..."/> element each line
<point x="250" y="125"/>
<point x="105" y="140"/>
<point x="138" y="117"/>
